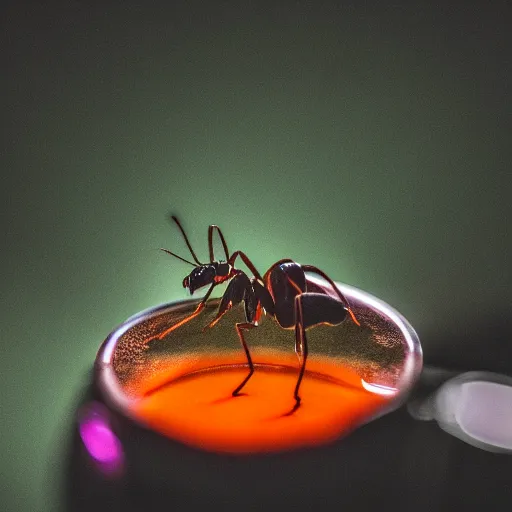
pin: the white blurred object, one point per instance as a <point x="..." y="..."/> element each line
<point x="476" y="407"/>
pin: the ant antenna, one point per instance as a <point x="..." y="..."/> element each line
<point x="175" y="219"/>
<point x="179" y="257"/>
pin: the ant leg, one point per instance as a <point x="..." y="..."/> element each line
<point x="233" y="295"/>
<point x="198" y="310"/>
<point x="210" y="242"/>
<point x="316" y="270"/>
<point x="239" y="328"/>
<point x="301" y="348"/>
<point x="247" y="261"/>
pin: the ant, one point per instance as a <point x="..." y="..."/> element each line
<point x="283" y="293"/>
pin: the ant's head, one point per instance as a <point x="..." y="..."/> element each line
<point x="202" y="275"/>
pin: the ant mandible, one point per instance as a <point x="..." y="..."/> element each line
<point x="283" y="293"/>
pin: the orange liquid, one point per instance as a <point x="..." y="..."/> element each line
<point x="196" y="407"/>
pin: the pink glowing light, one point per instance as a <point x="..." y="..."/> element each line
<point x="99" y="440"/>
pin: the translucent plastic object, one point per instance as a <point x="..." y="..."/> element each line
<point x="476" y="407"/>
<point x="180" y="386"/>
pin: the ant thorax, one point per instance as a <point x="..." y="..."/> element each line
<point x="222" y="268"/>
<point x="224" y="271"/>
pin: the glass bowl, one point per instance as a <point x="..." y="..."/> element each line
<point x="181" y="385"/>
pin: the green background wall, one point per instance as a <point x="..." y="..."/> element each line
<point x="372" y="142"/>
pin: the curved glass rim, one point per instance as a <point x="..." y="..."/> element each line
<point x="114" y="396"/>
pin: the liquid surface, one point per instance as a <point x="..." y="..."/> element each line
<point x="196" y="407"/>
